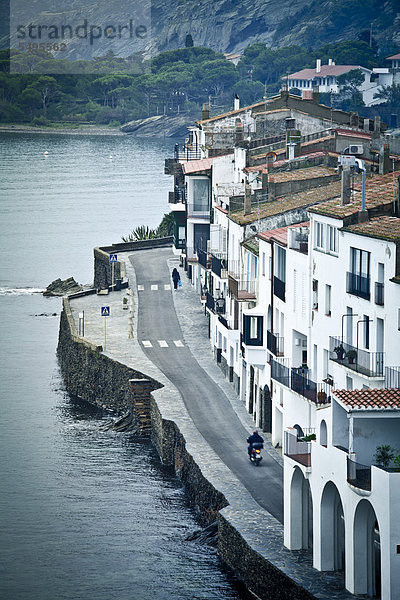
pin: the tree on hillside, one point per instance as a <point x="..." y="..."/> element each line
<point x="390" y="95"/>
<point x="349" y="84"/>
<point x="188" y="41"/>
<point x="48" y="89"/>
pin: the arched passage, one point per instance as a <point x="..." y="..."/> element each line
<point x="323" y="434"/>
<point x="367" y="554"/>
<point x="332" y="529"/>
<point x="301" y="513"/>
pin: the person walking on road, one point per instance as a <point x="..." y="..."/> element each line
<point x="176" y="278"/>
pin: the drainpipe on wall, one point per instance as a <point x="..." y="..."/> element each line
<point x="272" y="305"/>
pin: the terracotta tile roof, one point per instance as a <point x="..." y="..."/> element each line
<point x="303" y="174"/>
<point x="287" y="203"/>
<point x="378" y="192"/>
<point x="326" y="71"/>
<point x="354" y="134"/>
<point x="383" y="228"/>
<point x="193" y="166"/>
<point x="394" y="57"/>
<point x="280" y="234"/>
<point x="372" y="399"/>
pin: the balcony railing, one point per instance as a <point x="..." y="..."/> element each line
<point x="279" y="288"/>
<point x="379" y="293"/>
<point x="203" y="258"/>
<point x="201" y="211"/>
<point x="296" y="449"/>
<point x="234" y="268"/>
<point x="358" y="285"/>
<point x="242" y="289"/>
<point x="210" y="301"/>
<point x="392" y="377"/>
<point x="219" y="266"/>
<point x="358" y="475"/>
<point x="274" y="343"/>
<point x="186" y="153"/>
<point x="299" y="382"/>
<point x="366" y="363"/>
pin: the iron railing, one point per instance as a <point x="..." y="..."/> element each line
<point x="274" y="343"/>
<point x="298" y="381"/>
<point x="219" y="266"/>
<point x="367" y="363"/>
<point x="186" y="153"/>
<point x="359" y="285"/>
<point x="379" y="293"/>
<point x="358" y="475"/>
<point x="279" y="288"/>
<point x="203" y="258"/>
<point x="392" y="377"/>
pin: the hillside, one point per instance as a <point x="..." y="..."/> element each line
<point x="223" y="25"/>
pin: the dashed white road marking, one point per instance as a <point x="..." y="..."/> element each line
<point x="140" y="288"/>
<point x="154" y="287"/>
<point x="147" y="344"/>
<point x="178" y="343"/>
<point x="163" y="343"/>
<point x="167" y="286"/>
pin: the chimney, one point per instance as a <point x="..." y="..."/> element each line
<point x="236" y="103"/>
<point x="239" y="133"/>
<point x="315" y="92"/>
<point x="384" y="160"/>
<point x="377" y="124"/>
<point x="205" y="113"/>
<point x="330" y="62"/>
<point x="363" y="213"/>
<point x="247" y="199"/>
<point x="346" y="188"/>
<point x="318" y="67"/>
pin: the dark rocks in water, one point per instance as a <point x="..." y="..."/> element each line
<point x="122" y="424"/>
<point x="62" y="288"/>
<point x="47" y="315"/>
<point x="160" y="125"/>
<point x="208" y="535"/>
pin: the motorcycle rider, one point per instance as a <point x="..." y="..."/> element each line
<point x="255" y="438"/>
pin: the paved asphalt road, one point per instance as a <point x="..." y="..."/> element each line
<point x="206" y="402"/>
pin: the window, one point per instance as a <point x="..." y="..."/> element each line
<point x="319" y="235"/>
<point x="366" y="331"/>
<point x="280" y="266"/>
<point x="328" y="294"/>
<point x="358" y="280"/>
<point x="201" y="195"/>
<point x="263" y="264"/>
<point x="253" y="327"/>
<point x="332" y="235"/>
<point x="315" y="294"/>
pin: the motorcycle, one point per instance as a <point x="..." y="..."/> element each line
<point x="255" y="454"/>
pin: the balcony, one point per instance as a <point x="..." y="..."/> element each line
<point x="392" y="377"/>
<point x="274" y="343"/>
<point x="242" y="289"/>
<point x="359" y="285"/>
<point x="178" y="195"/>
<point x="366" y="363"/>
<point x="379" y="293"/>
<point x="198" y="210"/>
<point x="186" y="152"/>
<point x="202" y="255"/>
<point x="358" y="475"/>
<point x="298" y="381"/>
<point x="219" y="266"/>
<point x="296" y="449"/>
<point x="279" y="288"/>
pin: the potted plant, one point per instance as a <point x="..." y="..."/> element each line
<point x="125" y="303"/>
<point x="321" y="397"/>
<point x="384" y="455"/>
<point x="351" y="355"/>
<point x="339" y="351"/>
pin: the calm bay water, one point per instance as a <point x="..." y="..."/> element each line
<point x="84" y="514"/>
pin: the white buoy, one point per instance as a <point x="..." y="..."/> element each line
<point x="110" y="156"/>
<point x="45" y="153"/>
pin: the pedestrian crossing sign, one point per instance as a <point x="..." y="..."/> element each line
<point x="113" y="257"/>
<point x="105" y="311"/>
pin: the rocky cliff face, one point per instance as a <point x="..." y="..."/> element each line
<point x="223" y="25"/>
